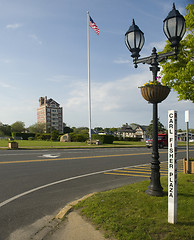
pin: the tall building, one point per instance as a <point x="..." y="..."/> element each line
<point x="50" y="113"/>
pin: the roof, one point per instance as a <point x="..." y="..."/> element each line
<point x="132" y="128"/>
<point x="51" y="101"/>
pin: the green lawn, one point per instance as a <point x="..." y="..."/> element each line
<point x="129" y="213"/>
<point x="129" y="143"/>
<point x="34" y="143"/>
<point x="48" y="144"/>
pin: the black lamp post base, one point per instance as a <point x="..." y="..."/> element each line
<point x="153" y="192"/>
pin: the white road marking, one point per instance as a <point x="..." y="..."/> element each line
<point x="57" y="182"/>
<point x="66" y="180"/>
<point x="50" y="156"/>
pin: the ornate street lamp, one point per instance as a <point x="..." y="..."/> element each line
<point x="174" y="28"/>
<point x="134" y="39"/>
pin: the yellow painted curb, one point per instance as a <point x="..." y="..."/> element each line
<point x="69" y="206"/>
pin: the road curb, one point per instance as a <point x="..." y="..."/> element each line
<point x="45" y="231"/>
<point x="63" y="212"/>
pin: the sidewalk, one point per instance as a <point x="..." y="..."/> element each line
<point x="68" y="225"/>
<point x="74" y="228"/>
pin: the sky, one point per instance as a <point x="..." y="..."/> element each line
<point x="43" y="52"/>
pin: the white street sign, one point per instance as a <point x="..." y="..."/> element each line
<point x="172" y="166"/>
<point x="187" y="116"/>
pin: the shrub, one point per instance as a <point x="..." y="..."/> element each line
<point x="43" y="136"/>
<point x="31" y="138"/>
<point x="24" y="136"/>
<point x="130" y="139"/>
<point x="108" y="139"/>
<point x="78" y="137"/>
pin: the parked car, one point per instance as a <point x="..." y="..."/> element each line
<point x="162" y="141"/>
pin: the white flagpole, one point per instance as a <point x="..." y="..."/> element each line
<point x="89" y="87"/>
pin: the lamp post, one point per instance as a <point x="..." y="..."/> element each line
<point x="174" y="28"/>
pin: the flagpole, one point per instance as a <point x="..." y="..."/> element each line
<point x="89" y="86"/>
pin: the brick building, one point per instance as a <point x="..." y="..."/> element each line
<point x="50" y="113"/>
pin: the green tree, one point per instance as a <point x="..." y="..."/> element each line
<point x="191" y="130"/>
<point x="5" y="129"/>
<point x="113" y="129"/>
<point x="66" y="129"/>
<point x="161" y="128"/>
<point x="98" y="129"/>
<point x="37" y="128"/>
<point x="18" y="126"/>
<point x="55" y="135"/>
<point x="106" y="130"/>
<point x="179" y="74"/>
<point x="80" y="130"/>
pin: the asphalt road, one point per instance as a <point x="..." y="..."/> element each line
<point x="37" y="183"/>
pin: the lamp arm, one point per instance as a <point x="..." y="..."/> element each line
<point x="155" y="58"/>
<point x="163" y="56"/>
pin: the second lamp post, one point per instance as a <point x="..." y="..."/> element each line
<point x="174" y="28"/>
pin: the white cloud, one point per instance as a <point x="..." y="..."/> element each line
<point x="158" y="45"/>
<point x="121" y="61"/>
<point x="118" y="102"/>
<point x="13" y="26"/>
<point x="5" y="60"/>
<point x="118" y="95"/>
<point x="78" y="96"/>
<point x="60" y="78"/>
<point x="35" y="38"/>
<point x="5" y="85"/>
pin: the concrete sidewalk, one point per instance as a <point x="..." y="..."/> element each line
<point x="66" y="225"/>
<point x="74" y="228"/>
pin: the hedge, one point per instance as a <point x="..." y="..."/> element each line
<point x="108" y="139"/>
<point x="130" y="139"/>
<point x="78" y="137"/>
<point x="23" y="136"/>
<point x="43" y="136"/>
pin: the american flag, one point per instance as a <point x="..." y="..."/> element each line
<point x="93" y="26"/>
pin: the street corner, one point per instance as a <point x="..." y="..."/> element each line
<point x="67" y="209"/>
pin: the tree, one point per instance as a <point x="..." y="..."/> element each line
<point x="5" y="129"/>
<point x="80" y="130"/>
<point x="161" y="128"/>
<point x="55" y="135"/>
<point x="37" y="128"/>
<point x="106" y="130"/>
<point x="66" y="129"/>
<point x="179" y="74"/>
<point x="98" y="129"/>
<point x="191" y="130"/>
<point x="18" y="126"/>
<point x="113" y="129"/>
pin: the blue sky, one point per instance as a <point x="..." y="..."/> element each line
<point x="43" y="52"/>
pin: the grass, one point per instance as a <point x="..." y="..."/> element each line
<point x="53" y="144"/>
<point x="49" y="144"/>
<point x="34" y="143"/>
<point x="128" y="213"/>
<point x="129" y="143"/>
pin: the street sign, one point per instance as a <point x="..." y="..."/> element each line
<point x="187" y="137"/>
<point x="172" y="166"/>
<point x="186" y="116"/>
